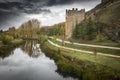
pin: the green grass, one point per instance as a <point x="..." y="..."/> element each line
<point x="110" y="14"/>
<point x="102" y="43"/>
<point x="113" y="63"/>
<point x="105" y="61"/>
<point x="102" y="50"/>
<point x="95" y="42"/>
<point x="5" y="49"/>
<point x="100" y="64"/>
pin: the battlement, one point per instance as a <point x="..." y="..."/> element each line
<point x="74" y="11"/>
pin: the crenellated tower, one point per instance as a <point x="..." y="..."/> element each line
<point x="73" y="17"/>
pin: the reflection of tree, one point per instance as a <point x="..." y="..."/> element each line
<point x="28" y="47"/>
<point x="6" y="51"/>
<point x="32" y="48"/>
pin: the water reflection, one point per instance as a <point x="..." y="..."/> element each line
<point x="32" y="48"/>
<point x="6" y="51"/>
<point x="29" y="63"/>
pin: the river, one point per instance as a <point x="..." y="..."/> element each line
<point x="28" y="62"/>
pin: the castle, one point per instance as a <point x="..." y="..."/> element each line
<point x="73" y="17"/>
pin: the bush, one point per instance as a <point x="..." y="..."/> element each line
<point x="100" y="37"/>
<point x="6" y="39"/>
<point x="42" y="39"/>
<point x="16" y="36"/>
<point x="85" y="30"/>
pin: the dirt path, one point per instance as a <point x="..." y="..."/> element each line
<point x="89" y="45"/>
<point x="84" y="51"/>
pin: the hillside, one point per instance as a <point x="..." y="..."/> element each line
<point x="107" y="15"/>
<point x="57" y="29"/>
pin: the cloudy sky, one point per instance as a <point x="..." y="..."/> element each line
<point x="49" y="12"/>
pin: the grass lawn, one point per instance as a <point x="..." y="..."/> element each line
<point x="104" y="43"/>
<point x="94" y="42"/>
<point x="102" y="50"/>
<point x="111" y="63"/>
<point x="83" y="65"/>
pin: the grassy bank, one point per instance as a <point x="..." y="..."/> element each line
<point x="94" y="42"/>
<point x="83" y="66"/>
<point x="8" y="47"/>
<point x="102" y="50"/>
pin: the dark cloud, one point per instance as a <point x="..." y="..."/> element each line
<point x="62" y="2"/>
<point x="10" y="9"/>
<point x="14" y="8"/>
<point x="32" y="6"/>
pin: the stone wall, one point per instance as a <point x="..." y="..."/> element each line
<point x="73" y="17"/>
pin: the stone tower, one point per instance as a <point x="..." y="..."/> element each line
<point x="73" y="17"/>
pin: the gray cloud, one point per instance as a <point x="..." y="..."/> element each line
<point x="11" y="10"/>
<point x="30" y="6"/>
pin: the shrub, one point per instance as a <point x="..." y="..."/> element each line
<point x="16" y="36"/>
<point x="42" y="39"/>
<point x="6" y="39"/>
<point x="85" y="30"/>
<point x="100" y="37"/>
<point x="54" y="38"/>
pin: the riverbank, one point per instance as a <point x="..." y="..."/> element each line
<point x="6" y="48"/>
<point x="90" y="47"/>
<point x="93" y="42"/>
<point x="83" y="66"/>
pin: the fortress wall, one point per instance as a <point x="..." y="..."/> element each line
<point x="73" y="17"/>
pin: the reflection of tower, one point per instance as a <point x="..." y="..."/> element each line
<point x="32" y="48"/>
<point x="36" y="50"/>
<point x="73" y="17"/>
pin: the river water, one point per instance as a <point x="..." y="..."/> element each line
<point x="28" y="62"/>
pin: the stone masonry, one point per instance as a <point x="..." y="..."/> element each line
<point x="73" y="17"/>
